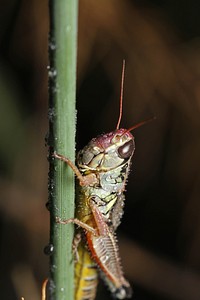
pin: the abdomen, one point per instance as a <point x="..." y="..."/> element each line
<point x="86" y="277"/>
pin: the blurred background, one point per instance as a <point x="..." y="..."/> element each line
<point x="160" y="233"/>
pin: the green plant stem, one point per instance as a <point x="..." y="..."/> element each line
<point x="62" y="87"/>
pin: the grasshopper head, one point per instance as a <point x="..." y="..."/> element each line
<point x="107" y="151"/>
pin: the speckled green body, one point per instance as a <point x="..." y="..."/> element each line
<point x="108" y="157"/>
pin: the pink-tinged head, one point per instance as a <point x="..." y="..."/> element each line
<point x="107" y="151"/>
<point x="117" y="136"/>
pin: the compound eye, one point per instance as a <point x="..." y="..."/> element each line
<point x="126" y="150"/>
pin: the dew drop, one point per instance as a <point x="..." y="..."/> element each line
<point x="48" y="249"/>
<point x="52" y="45"/>
<point x="48" y="205"/>
<point x="52" y="73"/>
<point x="51" y="114"/>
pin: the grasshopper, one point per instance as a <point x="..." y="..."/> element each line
<point x="102" y="168"/>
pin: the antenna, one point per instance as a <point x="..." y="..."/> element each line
<point x="139" y="124"/>
<point x="121" y="96"/>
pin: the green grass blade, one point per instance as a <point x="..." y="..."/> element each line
<point x="62" y="116"/>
